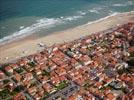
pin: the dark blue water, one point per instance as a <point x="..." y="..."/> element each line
<point x="20" y="18"/>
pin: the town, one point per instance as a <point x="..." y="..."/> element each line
<point x="95" y="67"/>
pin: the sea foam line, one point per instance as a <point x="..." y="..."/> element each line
<point x="123" y="5"/>
<point x="114" y="14"/>
<point x="47" y="23"/>
<point x="44" y="23"/>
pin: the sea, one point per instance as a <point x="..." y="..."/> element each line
<point x="21" y="18"/>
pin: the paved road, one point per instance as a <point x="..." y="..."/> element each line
<point x="66" y="92"/>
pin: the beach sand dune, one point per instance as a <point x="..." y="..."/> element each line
<point x="27" y="46"/>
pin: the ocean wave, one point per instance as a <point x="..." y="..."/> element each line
<point x="119" y="5"/>
<point x="96" y="9"/>
<point x="21" y="27"/>
<point x="81" y="13"/>
<point x="71" y="18"/>
<point x="109" y="15"/>
<point x="130" y="3"/>
<point x="123" y="5"/>
<point x="113" y="14"/>
<point x="101" y="19"/>
<point x="44" y="23"/>
<point x="93" y="11"/>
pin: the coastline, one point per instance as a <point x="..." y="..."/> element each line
<point x="27" y="46"/>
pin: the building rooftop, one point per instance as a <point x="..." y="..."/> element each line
<point x="88" y="68"/>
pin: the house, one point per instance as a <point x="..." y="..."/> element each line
<point x="44" y="66"/>
<point x="38" y="72"/>
<point x="53" y="74"/>
<point x="48" y="88"/>
<point x="85" y="60"/>
<point x="89" y="97"/>
<point x="55" y="48"/>
<point x="40" y="92"/>
<point x="37" y="56"/>
<point x="55" y="80"/>
<point x="27" y="76"/>
<point x="84" y="50"/>
<point x="10" y="86"/>
<point x="29" y="68"/>
<point x="125" y="97"/>
<point x="73" y="73"/>
<point x="80" y="80"/>
<point x="17" y="77"/>
<point x="110" y="96"/>
<point x="60" y="71"/>
<point x="73" y="62"/>
<point x="99" y="84"/>
<point x="59" y="54"/>
<point x="23" y="61"/>
<point x="26" y="83"/>
<point x="51" y="65"/>
<point x="102" y="76"/>
<point x="37" y="67"/>
<point x="9" y="69"/>
<point x="32" y="91"/>
<point x="57" y="60"/>
<point x="19" y="96"/>
<point x="2" y="75"/>
<point x="62" y="78"/>
<point x="126" y="77"/>
<point x="37" y="97"/>
<point x="108" y="80"/>
<point x="67" y="66"/>
<point x="14" y="66"/>
<point x="71" y="54"/>
<point x="75" y="96"/>
<point x="44" y="79"/>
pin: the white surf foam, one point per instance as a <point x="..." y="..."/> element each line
<point x="96" y="9"/>
<point x="93" y="11"/>
<point x="44" y="23"/>
<point x="101" y="19"/>
<point x="125" y="4"/>
<point x="81" y="13"/>
<point x="21" y="27"/>
<point x="33" y="28"/>
<point x="71" y="18"/>
<point x="113" y="14"/>
<point x="119" y="5"/>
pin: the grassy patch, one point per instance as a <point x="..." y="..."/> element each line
<point x="4" y="93"/>
<point x="131" y="54"/>
<point x="19" y="70"/>
<point x="32" y="64"/>
<point x="6" y="81"/>
<point x="62" y="85"/>
<point x="45" y="73"/>
<point x="19" y="89"/>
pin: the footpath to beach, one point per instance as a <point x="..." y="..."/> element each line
<point x="27" y="46"/>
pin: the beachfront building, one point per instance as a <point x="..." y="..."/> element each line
<point x="97" y="66"/>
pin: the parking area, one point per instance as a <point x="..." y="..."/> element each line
<point x="65" y="93"/>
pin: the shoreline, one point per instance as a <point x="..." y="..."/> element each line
<point x="28" y="45"/>
<point x="20" y="38"/>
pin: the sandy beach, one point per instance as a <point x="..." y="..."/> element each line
<point x="27" y="46"/>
